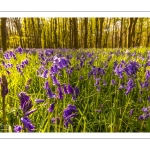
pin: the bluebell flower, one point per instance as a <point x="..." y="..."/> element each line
<point x="48" y="52"/>
<point x="55" y="81"/>
<point x="60" y="93"/>
<point x="76" y="91"/>
<point x="27" y="123"/>
<point x="144" y="109"/>
<point x="70" y="89"/>
<point x="119" y="70"/>
<point x="147" y="75"/>
<point x="30" y="112"/>
<point x="50" y="94"/>
<point x="39" y="100"/>
<point x="46" y="85"/>
<point x="131" y="68"/>
<point x="45" y="74"/>
<point x="20" y="50"/>
<point x="130" y="86"/>
<point x="121" y="86"/>
<point x="131" y="112"/>
<point x="113" y="82"/>
<point x="68" y="114"/>
<point x="6" y="55"/>
<point x="18" y="128"/>
<point x="54" y="120"/>
<point x="51" y="108"/>
<point x="65" y="89"/>
<point x="24" y="99"/>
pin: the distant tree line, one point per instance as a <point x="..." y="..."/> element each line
<point x="74" y="32"/>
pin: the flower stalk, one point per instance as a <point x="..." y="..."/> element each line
<point x="4" y="92"/>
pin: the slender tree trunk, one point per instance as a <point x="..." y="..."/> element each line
<point x="3" y="33"/>
<point x="116" y="36"/>
<point x="133" y="32"/>
<point x="96" y="28"/>
<point x="70" y="32"/>
<point x="148" y="34"/>
<point x="101" y="31"/>
<point x="120" y="41"/>
<point x="113" y="33"/>
<point x="55" y="32"/>
<point x="75" y="24"/>
<point x="39" y="33"/>
<point x="86" y="32"/>
<point x="91" y="34"/>
<point x="141" y="31"/>
<point x="107" y="27"/>
<point x="129" y="32"/>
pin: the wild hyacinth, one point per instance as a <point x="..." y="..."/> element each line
<point x="48" y="52"/>
<point x="6" y="55"/>
<point x="147" y="75"/>
<point x="131" y="68"/>
<point x="131" y="112"/>
<point x="19" y="50"/>
<point x="119" y="70"/>
<point x="60" y="93"/>
<point x="113" y="82"/>
<point x="55" y="81"/>
<point x="12" y="54"/>
<point x="4" y="92"/>
<point x="39" y="101"/>
<point x="51" y="108"/>
<point x="26" y="105"/>
<point x="27" y="124"/>
<point x="146" y="113"/>
<point x="18" y="128"/>
<point x="69" y="113"/>
<point x="130" y="86"/>
<point x="49" y="91"/>
<point x="45" y="74"/>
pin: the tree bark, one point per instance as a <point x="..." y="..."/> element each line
<point x="3" y="33"/>
<point x="101" y="31"/>
<point x="75" y="24"/>
<point x="86" y="32"/>
<point x="120" y="41"/>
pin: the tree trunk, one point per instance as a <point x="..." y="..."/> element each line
<point x="131" y="21"/>
<point x="101" y="30"/>
<point x="96" y="28"/>
<point x="55" y="33"/>
<point x="70" y="32"/>
<point x="141" y="31"/>
<point x="148" y="34"/>
<point x="113" y="33"/>
<point x="75" y="24"/>
<point x="133" y="32"/>
<point x="3" y="33"/>
<point x="120" y="41"/>
<point x="86" y="32"/>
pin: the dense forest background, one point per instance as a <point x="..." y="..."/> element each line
<point x="74" y="32"/>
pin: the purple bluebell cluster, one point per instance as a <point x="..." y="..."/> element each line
<point x="19" y="50"/>
<point x="68" y="114"/>
<point x="130" y="85"/>
<point x="25" y="105"/>
<point x="131" y="68"/>
<point x="146" y="113"/>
